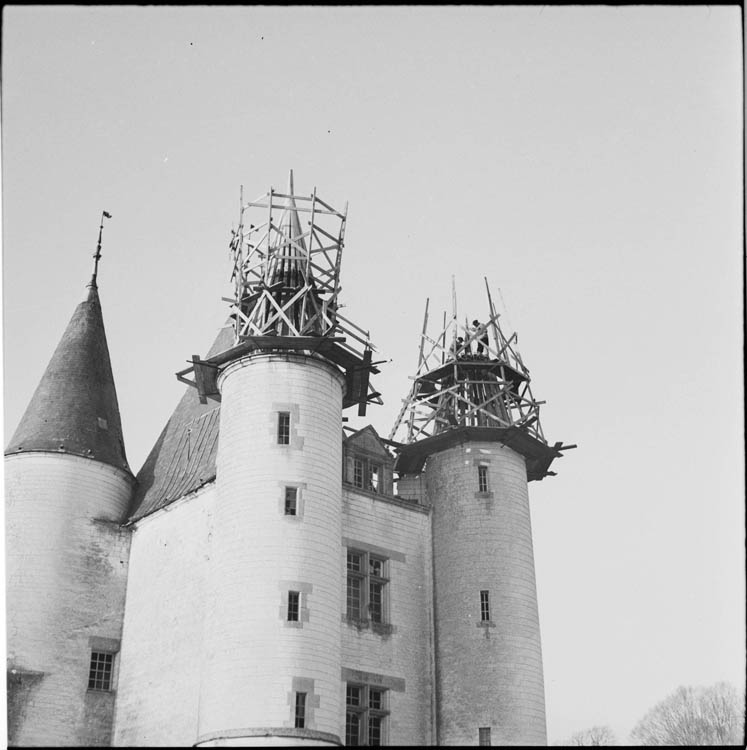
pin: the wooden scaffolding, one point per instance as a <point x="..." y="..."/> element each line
<point x="467" y="376"/>
<point x="286" y="254"/>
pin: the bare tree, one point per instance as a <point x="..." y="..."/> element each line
<point x="593" y="737"/>
<point x="695" y="716"/>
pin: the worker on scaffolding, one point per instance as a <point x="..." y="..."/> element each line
<point x="480" y="335"/>
<point x="456" y="347"/>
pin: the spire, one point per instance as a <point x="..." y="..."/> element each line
<point x="74" y="408"/>
<point x="97" y="254"/>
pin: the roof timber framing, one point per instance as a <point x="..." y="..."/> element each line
<point x="467" y="376"/>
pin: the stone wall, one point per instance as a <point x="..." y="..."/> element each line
<point x="66" y="573"/>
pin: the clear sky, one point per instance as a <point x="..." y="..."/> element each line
<point x="587" y="160"/>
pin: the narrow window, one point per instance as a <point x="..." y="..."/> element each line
<point x="376" y="585"/>
<point x="293" y="607"/>
<point x="375" y="715"/>
<point x="482" y="478"/>
<point x="485" y="606"/>
<point x="291" y="501"/>
<point x="300" y="713"/>
<point x="355" y="588"/>
<point x="358" y="472"/>
<point x="484" y="736"/>
<point x="353" y="705"/>
<point x="284" y="419"/>
<point x="100" y="672"/>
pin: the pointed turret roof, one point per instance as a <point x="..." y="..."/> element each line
<point x="74" y="408"/>
<point x="289" y="221"/>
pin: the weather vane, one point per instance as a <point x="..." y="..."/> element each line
<point x="97" y="254"/>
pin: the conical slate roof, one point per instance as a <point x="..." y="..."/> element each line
<point x="74" y="408"/>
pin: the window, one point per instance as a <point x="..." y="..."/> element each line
<point x="300" y="712"/>
<point x="284" y="419"/>
<point x="358" y="472"/>
<point x="366" y="588"/>
<point x="293" y="605"/>
<point x="365" y="715"/>
<point x="368" y="475"/>
<point x="291" y="501"/>
<point x="485" y="606"/>
<point x="482" y="478"/>
<point x="374" y="477"/>
<point x="484" y="736"/>
<point x="100" y="672"/>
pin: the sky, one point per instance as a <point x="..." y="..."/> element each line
<point x="586" y="160"/>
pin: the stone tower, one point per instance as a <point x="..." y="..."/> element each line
<point x="68" y="486"/>
<point x="471" y="441"/>
<point x="271" y="659"/>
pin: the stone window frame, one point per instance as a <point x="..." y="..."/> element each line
<point x="295" y="441"/>
<point x="366" y="581"/>
<point x="293" y="613"/>
<point x="365" y="712"/>
<point x="391" y="556"/>
<point x="303" y="590"/>
<point x="284" y="427"/>
<point x="300" y="488"/>
<point x="303" y="685"/>
<point x="483" y="463"/>
<point x="483" y="736"/>
<point x="106" y="647"/>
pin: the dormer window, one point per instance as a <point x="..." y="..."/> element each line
<point x="368" y="474"/>
<point x="368" y="465"/>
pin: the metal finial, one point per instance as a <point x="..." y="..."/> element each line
<point x="97" y="254"/>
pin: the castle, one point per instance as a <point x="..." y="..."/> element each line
<point x="270" y="576"/>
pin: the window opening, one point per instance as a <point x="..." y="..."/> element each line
<point x="300" y="712"/>
<point x="100" y="672"/>
<point x="484" y="736"/>
<point x="365" y="715"/>
<point x="354" y="588"/>
<point x="482" y="478"/>
<point x="284" y="427"/>
<point x="366" y="587"/>
<point x="293" y="605"/>
<point x="374" y="477"/>
<point x="358" y="472"/>
<point x="291" y="501"/>
<point x="485" y="606"/>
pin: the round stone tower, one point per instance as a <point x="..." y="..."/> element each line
<point x="488" y="653"/>
<point x="68" y="487"/>
<point x="276" y="543"/>
<point x="472" y="436"/>
<point x="272" y="658"/>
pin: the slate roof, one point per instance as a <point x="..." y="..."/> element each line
<point x="74" y="408"/>
<point x="183" y="458"/>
